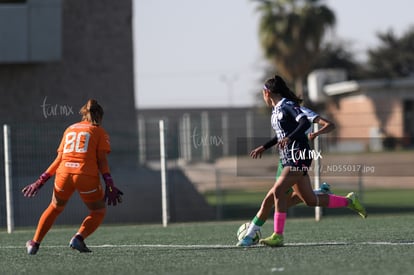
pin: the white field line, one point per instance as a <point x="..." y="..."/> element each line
<point x="215" y="246"/>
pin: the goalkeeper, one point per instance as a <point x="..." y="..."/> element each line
<point x="81" y="155"/>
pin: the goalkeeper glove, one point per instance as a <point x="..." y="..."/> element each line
<point x="32" y="189"/>
<point x="112" y="194"/>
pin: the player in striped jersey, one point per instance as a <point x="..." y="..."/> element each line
<point x="293" y="199"/>
<point x="82" y="155"/>
<point x="290" y="124"/>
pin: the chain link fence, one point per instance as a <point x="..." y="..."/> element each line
<point x="208" y="157"/>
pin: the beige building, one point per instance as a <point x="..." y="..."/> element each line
<point x="380" y="109"/>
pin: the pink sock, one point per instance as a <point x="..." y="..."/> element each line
<point x="279" y="222"/>
<point x="337" y="201"/>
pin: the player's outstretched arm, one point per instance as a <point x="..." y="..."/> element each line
<point x="257" y="153"/>
<point x="112" y="194"/>
<point x="327" y="126"/>
<point x="32" y="189"/>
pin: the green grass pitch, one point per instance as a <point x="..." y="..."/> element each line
<point x="381" y="244"/>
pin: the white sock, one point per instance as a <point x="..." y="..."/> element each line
<point x="251" y="231"/>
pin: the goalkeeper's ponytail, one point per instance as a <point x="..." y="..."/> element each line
<point x="92" y="112"/>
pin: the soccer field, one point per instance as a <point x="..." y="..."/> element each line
<point x="336" y="245"/>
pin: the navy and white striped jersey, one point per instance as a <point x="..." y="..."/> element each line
<point x="285" y="117"/>
<point x="311" y="115"/>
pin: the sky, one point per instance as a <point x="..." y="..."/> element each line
<point x="197" y="53"/>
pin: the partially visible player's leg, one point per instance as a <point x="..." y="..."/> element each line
<point x="254" y="226"/>
<point x="263" y="213"/>
<point x="351" y="201"/>
<point x="88" y="226"/>
<point x="293" y="199"/>
<point x="261" y="216"/>
<point x="45" y="223"/>
<point x="304" y="190"/>
<point x="356" y="205"/>
<point x="287" y="179"/>
<point x="92" y="222"/>
<point x="63" y="189"/>
<point x="32" y="247"/>
<point x="267" y="206"/>
<point x="91" y="192"/>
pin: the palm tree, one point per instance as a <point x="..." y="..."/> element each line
<point x="291" y="33"/>
<point x="394" y="57"/>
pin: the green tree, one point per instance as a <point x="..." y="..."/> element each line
<point x="337" y="55"/>
<point x="291" y="33"/>
<point x="394" y="57"/>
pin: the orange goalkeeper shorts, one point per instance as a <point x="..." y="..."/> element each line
<point x="88" y="187"/>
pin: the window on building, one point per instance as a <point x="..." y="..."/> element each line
<point x="30" y="31"/>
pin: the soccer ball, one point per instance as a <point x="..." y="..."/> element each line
<point x="241" y="232"/>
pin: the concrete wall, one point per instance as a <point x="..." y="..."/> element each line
<point x="96" y="62"/>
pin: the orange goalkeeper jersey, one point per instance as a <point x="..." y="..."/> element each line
<point x="79" y="147"/>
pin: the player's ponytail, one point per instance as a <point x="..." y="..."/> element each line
<point x="92" y="112"/>
<point x="277" y="85"/>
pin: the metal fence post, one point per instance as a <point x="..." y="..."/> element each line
<point x="163" y="159"/>
<point x="8" y="179"/>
